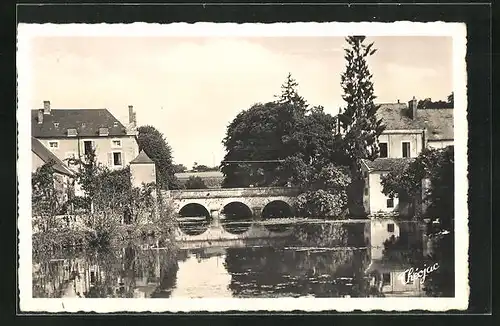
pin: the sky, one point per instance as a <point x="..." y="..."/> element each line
<point x="191" y="88"/>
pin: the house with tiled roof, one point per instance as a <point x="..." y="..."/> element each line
<point x="71" y="133"/>
<point x="408" y="130"/>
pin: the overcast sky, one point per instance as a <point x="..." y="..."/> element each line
<point x="191" y="88"/>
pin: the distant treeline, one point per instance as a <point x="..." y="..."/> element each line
<point x="429" y="104"/>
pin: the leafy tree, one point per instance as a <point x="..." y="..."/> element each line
<point x="156" y="147"/>
<point x="303" y="140"/>
<point x="179" y="168"/>
<point x="435" y="165"/>
<point x="358" y="121"/>
<point x="46" y="196"/>
<point x="195" y="183"/>
<point x="285" y="130"/>
<point x="257" y="134"/>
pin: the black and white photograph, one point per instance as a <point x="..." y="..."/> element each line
<point x="192" y="167"/>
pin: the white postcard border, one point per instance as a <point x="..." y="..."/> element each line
<point x="26" y="32"/>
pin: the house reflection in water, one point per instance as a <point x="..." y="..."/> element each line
<point x="395" y="247"/>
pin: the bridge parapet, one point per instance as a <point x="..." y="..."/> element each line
<point x="231" y="193"/>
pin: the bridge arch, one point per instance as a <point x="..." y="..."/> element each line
<point x="193" y="218"/>
<point x="237" y="217"/>
<point x="277" y="209"/>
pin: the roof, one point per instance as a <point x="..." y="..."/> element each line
<point x="142" y="158"/>
<point x="46" y="155"/>
<point x="385" y="164"/>
<point x="86" y="121"/>
<point x="203" y="175"/>
<point x="438" y="122"/>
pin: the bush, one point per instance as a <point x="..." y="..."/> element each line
<point x="321" y="203"/>
<point x="195" y="183"/>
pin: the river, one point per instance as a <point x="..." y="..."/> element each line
<point x="309" y="259"/>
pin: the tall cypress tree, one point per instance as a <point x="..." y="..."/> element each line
<point x="358" y="121"/>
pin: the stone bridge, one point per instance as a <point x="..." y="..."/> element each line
<point x="234" y="203"/>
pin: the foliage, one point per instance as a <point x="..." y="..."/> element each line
<point x="179" y="168"/>
<point x="195" y="183"/>
<point x="435" y="165"/>
<point x="156" y="147"/>
<point x="290" y="96"/>
<point x="204" y="168"/>
<point x="324" y="192"/>
<point x="359" y="124"/>
<point x="47" y="196"/>
<point x="358" y="120"/>
<point x="320" y="203"/>
<point x="304" y="141"/>
<point x="285" y="130"/>
<point x="428" y="103"/>
<point x="109" y="200"/>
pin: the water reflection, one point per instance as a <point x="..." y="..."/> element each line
<point x="318" y="259"/>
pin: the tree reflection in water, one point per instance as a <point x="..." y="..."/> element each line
<point x="323" y="265"/>
<point x="112" y="273"/>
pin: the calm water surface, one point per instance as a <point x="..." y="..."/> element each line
<point x="319" y="260"/>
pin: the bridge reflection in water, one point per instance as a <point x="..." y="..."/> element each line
<point x="192" y="230"/>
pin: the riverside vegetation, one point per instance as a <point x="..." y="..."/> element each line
<point x="110" y="214"/>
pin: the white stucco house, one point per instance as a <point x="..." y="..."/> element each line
<point x="408" y="131"/>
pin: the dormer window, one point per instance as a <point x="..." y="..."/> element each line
<point x="72" y="132"/>
<point x="56" y="124"/>
<point x="103" y="132"/>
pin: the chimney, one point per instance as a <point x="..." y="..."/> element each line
<point x="40" y="116"/>
<point x="46" y="107"/>
<point x="412" y="108"/>
<point x="131" y="116"/>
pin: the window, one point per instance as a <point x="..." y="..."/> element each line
<point x="390" y="202"/>
<point x="117" y="159"/>
<point x="390" y="227"/>
<point x="116" y="143"/>
<point x="386" y="279"/>
<point x="53" y="144"/>
<point x="103" y="132"/>
<point x="87" y="147"/>
<point x="383" y="149"/>
<point x="406" y="149"/>
<point x="72" y="132"/>
<point x="366" y="191"/>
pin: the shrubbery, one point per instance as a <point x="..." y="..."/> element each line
<point x="110" y="212"/>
